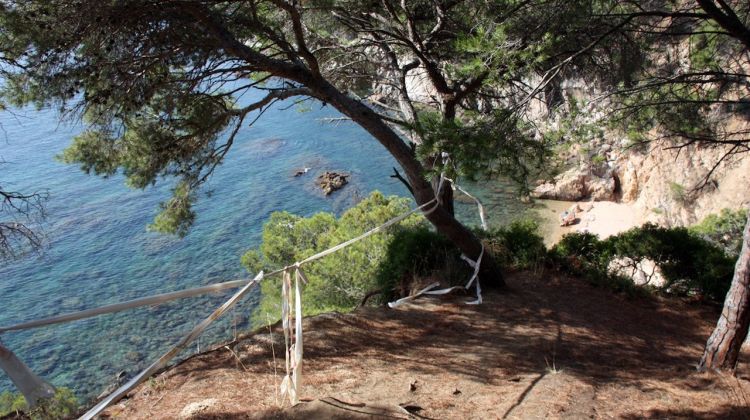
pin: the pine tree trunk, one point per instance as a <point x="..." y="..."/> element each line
<point x="366" y="118"/>
<point x="442" y="218"/>
<point x="723" y="347"/>
<point x="446" y="195"/>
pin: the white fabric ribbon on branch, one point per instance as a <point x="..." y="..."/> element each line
<point x="482" y="217"/>
<point x="473" y="264"/>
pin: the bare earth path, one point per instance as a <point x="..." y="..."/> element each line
<point x="547" y="348"/>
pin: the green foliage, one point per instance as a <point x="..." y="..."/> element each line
<point x="419" y="252"/>
<point x="11" y="402"/>
<point x="61" y="406"/>
<point x="705" y="47"/>
<point x="575" y="127"/>
<point x="517" y="245"/>
<point x="338" y="281"/>
<point x="179" y="142"/>
<point x="483" y="145"/>
<point x="176" y="214"/>
<point x="689" y="264"/>
<point x="678" y="192"/>
<point x="583" y="254"/>
<point x="723" y="230"/>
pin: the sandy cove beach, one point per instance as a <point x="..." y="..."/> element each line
<point x="605" y="218"/>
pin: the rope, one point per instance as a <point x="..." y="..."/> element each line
<point x="291" y="384"/>
<point x="121" y="306"/>
<point x="166" y="357"/>
<point x="473" y="264"/>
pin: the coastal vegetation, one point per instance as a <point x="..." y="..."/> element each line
<point x="456" y="89"/>
<point x="63" y="405"/>
<point x="691" y="262"/>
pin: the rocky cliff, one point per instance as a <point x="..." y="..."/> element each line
<point x="667" y="186"/>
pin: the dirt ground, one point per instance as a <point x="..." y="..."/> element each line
<point x="547" y="348"/>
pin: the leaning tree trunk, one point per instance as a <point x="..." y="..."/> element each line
<point x="366" y="118"/>
<point x="442" y="218"/>
<point x="723" y="347"/>
<point x="445" y="196"/>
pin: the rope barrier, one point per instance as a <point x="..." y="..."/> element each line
<point x="292" y="382"/>
<point x="292" y="318"/>
<point x="121" y="306"/>
<point x="166" y="357"/>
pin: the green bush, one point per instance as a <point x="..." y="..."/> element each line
<point x="338" y="281"/>
<point x="418" y="252"/>
<point x="388" y="261"/>
<point x="61" y="406"/>
<point x="584" y="255"/>
<point x="689" y="264"/>
<point x="11" y="402"/>
<point x="517" y="245"/>
<point x="723" y="230"/>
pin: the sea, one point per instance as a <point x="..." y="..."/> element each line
<point x="98" y="251"/>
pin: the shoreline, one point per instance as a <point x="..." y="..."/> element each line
<point x="605" y="218"/>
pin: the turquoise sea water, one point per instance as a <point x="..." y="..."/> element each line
<point x="98" y="250"/>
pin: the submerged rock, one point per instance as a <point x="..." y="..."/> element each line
<point x="332" y="181"/>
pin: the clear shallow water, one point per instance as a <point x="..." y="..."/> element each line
<point x="99" y="252"/>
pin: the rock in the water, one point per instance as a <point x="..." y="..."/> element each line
<point x="332" y="181"/>
<point x="300" y="172"/>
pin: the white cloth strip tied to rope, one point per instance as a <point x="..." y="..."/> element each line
<point x="295" y="349"/>
<point x="426" y="291"/>
<point x="475" y="276"/>
<point x="291" y="386"/>
<point x="482" y="217"/>
<point x="473" y="264"/>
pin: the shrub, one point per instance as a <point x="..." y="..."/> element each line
<point x="338" y="281"/>
<point x="62" y="405"/>
<point x="689" y="264"/>
<point x="679" y="193"/>
<point x="583" y="254"/>
<point x="418" y="252"/>
<point x="518" y="245"/>
<point x="387" y="261"/>
<point x="723" y="230"/>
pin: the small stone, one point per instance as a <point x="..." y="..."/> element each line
<point x="195" y="409"/>
<point x="413" y="386"/>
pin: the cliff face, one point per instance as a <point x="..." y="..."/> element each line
<point x="665" y="185"/>
<point x="662" y="183"/>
